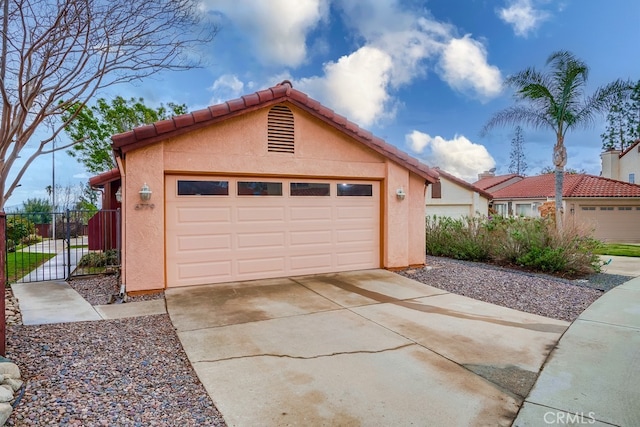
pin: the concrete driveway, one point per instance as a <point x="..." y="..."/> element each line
<point x="358" y="348"/>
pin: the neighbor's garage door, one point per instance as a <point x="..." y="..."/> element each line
<point x="228" y="228"/>
<point x="613" y="223"/>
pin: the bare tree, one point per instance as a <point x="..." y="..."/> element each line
<point x="58" y="54"/>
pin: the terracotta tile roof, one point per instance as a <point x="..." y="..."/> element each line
<point x="492" y="181"/>
<point x="101" y="179"/>
<point x="464" y="184"/>
<point x="149" y="134"/>
<point x="574" y="185"/>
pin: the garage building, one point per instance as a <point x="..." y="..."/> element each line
<point x="272" y="184"/>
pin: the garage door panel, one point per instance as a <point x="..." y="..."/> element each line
<point x="355" y="212"/>
<point x="257" y="214"/>
<point x="350" y="236"/>
<point x="310" y="213"/>
<point x="354" y="259"/>
<point x="208" y="242"/>
<point x="304" y="238"/>
<point x="305" y="263"/>
<point x="200" y="215"/>
<point x="214" y="239"/>
<point x="261" y="265"/>
<point x="205" y="270"/>
<point x="261" y="240"/>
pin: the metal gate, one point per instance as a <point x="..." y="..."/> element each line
<point x="60" y="245"/>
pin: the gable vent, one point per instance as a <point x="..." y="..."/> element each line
<point x="280" y="130"/>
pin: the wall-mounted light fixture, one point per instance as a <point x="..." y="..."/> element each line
<point x="145" y="195"/>
<point x="119" y="195"/>
<point x="400" y="194"/>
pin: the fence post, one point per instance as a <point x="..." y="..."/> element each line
<point x="68" y="235"/>
<point x="3" y="282"/>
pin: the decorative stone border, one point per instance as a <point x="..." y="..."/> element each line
<point x="10" y="384"/>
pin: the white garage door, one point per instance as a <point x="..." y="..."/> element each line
<point x="613" y="223"/>
<point x="221" y="229"/>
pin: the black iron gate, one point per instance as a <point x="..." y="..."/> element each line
<point x="60" y="245"/>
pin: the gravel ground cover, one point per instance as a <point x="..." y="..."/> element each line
<point x="98" y="290"/>
<point x="529" y="292"/>
<point x="129" y="372"/>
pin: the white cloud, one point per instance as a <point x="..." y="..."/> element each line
<point x="397" y="47"/>
<point x="464" y="67"/>
<point x="522" y="16"/>
<point x="277" y="28"/>
<point x="458" y="156"/>
<point x="355" y="85"/>
<point x="226" y="87"/>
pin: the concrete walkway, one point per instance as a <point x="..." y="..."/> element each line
<point x="57" y="302"/>
<point x="622" y="265"/>
<point x="358" y="348"/>
<point x="593" y="376"/>
<point x="57" y="267"/>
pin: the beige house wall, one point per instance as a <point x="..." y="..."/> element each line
<point x="620" y="168"/>
<point x="456" y="201"/>
<point x="238" y="146"/>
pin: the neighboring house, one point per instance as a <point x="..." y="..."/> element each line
<point x="103" y="227"/>
<point x="622" y="166"/>
<point x="455" y="198"/>
<point x="611" y="207"/>
<point x="488" y="181"/>
<point x="269" y="185"/>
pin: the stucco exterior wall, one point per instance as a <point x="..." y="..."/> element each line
<point x="456" y="201"/>
<point x="238" y="146"/>
<point x="630" y="164"/>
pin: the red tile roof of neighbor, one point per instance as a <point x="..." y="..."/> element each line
<point x="492" y="181"/>
<point x="104" y="177"/>
<point x="574" y="185"/>
<point x="282" y="92"/>
<point x="464" y="184"/>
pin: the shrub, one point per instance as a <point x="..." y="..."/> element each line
<point x="17" y="228"/>
<point x="99" y="259"/>
<point x="30" y="239"/>
<point x="531" y="243"/>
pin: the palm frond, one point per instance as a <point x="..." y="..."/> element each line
<point x="601" y="101"/>
<point x="517" y="114"/>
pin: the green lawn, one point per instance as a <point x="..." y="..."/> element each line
<point x="619" y="249"/>
<point x="19" y="264"/>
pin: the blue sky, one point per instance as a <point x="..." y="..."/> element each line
<point x="423" y="75"/>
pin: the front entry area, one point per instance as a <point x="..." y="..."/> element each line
<point x="221" y="229"/>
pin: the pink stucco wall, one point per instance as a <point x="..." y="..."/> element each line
<point x="238" y="146"/>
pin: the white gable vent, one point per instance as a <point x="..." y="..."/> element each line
<point x="280" y="130"/>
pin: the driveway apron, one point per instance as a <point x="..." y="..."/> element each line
<point x="358" y="348"/>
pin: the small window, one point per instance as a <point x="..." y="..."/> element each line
<point x="632" y="178"/>
<point x="256" y="188"/>
<point x="523" y="210"/>
<point x="436" y="190"/>
<point x="203" y="188"/>
<point x="625" y="208"/>
<point x="355" y="190"/>
<point x="588" y="208"/>
<point x="606" y="208"/>
<point x="309" y="189"/>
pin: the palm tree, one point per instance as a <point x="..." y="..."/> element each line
<point x="555" y="100"/>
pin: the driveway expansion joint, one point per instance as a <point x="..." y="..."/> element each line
<point x="319" y="356"/>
